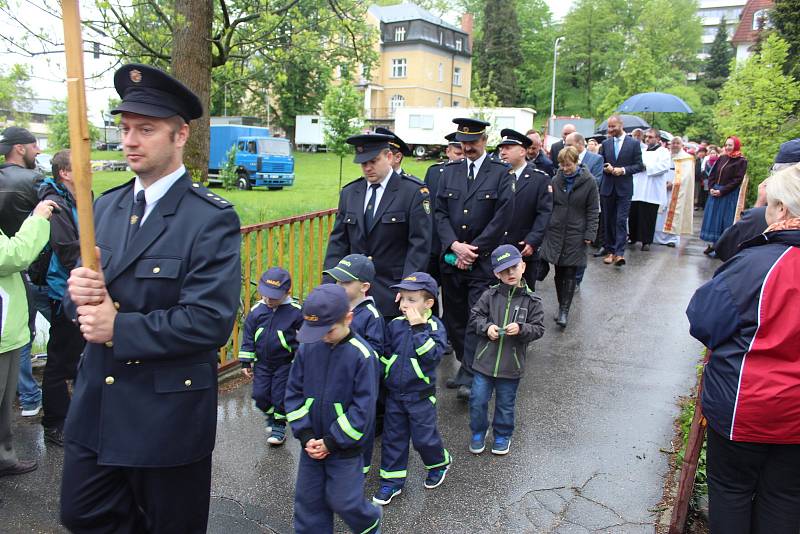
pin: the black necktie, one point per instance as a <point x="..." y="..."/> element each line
<point x="137" y="212"/>
<point x="369" y="214"/>
<point x="471" y="175"/>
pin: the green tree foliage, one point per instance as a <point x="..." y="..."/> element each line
<point x="718" y="65"/>
<point x="785" y="16"/>
<point x="342" y="108"/>
<point x="14" y="91"/>
<point x="500" y="53"/>
<point x="537" y="35"/>
<point x="756" y="105"/>
<point x="58" y="137"/>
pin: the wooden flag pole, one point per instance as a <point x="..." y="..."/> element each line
<point x="79" y="139"/>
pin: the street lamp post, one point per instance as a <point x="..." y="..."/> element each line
<point x="553" y="92"/>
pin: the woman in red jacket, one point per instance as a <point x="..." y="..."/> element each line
<point x="748" y="316"/>
<point x="723" y="183"/>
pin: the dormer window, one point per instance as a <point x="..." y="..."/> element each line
<point x="458" y="45"/>
<point x="760" y="17"/>
<point x="400" y="33"/>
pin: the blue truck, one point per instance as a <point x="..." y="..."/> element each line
<point x="261" y="160"/>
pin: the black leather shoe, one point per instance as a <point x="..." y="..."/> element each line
<point x="54" y="435"/>
<point x="645" y="248"/>
<point x="19" y="468"/>
<point x="463" y="392"/>
<point x="563" y="314"/>
<point x="600" y="253"/>
<point x="451" y="383"/>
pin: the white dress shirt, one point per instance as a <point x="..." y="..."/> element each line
<point x="378" y="194"/>
<point x="156" y="190"/>
<point x="580" y="156"/>
<point x="478" y="162"/>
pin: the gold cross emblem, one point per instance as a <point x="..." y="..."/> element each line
<point x="134" y="219"/>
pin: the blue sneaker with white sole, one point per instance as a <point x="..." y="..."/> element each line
<point x="501" y="445"/>
<point x="477" y="444"/>
<point x="436" y="476"/>
<point x="385" y="494"/>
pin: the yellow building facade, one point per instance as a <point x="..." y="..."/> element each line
<point x="423" y="61"/>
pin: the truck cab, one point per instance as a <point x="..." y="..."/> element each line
<point x="264" y="161"/>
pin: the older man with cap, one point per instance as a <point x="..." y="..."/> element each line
<point x="533" y="201"/>
<point x="474" y="207"/>
<point x="398" y="148"/>
<point x="753" y="222"/>
<point x="141" y="426"/>
<point x="385" y="216"/>
<point x="453" y="152"/>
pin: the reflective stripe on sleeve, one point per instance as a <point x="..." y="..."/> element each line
<point x="374" y="311"/>
<point x="301" y="411"/>
<point x="246" y="355"/>
<point x="425" y="347"/>
<point x="344" y="423"/>
<point x="360" y="346"/>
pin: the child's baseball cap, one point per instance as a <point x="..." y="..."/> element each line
<point x="418" y="281"/>
<point x="275" y="283"/>
<point x="353" y="267"/>
<point x="505" y="256"/>
<point x="324" y="306"/>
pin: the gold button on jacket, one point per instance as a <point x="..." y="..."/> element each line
<point x="109" y="380"/>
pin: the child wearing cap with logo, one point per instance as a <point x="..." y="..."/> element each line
<point x="506" y="318"/>
<point x="268" y="347"/>
<point x="415" y="343"/>
<point x="355" y="274"/>
<point x="331" y="398"/>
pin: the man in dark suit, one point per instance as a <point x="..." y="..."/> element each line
<point x="556" y="147"/>
<point x="474" y="206"/>
<point x="533" y="201"/>
<point x="537" y="156"/>
<point x="452" y="152"/>
<point x="623" y="158"/>
<point x="142" y="422"/>
<point x="384" y="216"/>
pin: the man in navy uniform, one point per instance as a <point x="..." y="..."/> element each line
<point x="398" y="148"/>
<point x="385" y="216"/>
<point x="533" y="201"/>
<point x="474" y="206"/>
<point x="452" y="152"/>
<point x="141" y="426"/>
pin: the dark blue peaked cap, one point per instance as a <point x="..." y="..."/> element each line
<point x="148" y="91"/>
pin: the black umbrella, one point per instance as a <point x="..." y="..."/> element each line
<point x="629" y="124"/>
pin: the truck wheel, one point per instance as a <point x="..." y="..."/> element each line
<point x="313" y="149"/>
<point x="276" y="188"/>
<point x="420" y="151"/>
<point x="244" y="182"/>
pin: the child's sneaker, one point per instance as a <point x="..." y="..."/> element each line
<point x="501" y="445"/>
<point x="478" y="443"/>
<point x="436" y="476"/>
<point x="385" y="495"/>
<point x="278" y="435"/>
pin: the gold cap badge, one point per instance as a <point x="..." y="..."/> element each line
<point x="136" y="76"/>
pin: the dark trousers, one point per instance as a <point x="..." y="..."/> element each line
<point x="332" y="485"/>
<point x="616" y="209"/>
<point x="63" y="353"/>
<point x="565" y="278"/>
<point x="642" y="222"/>
<point x="505" y="390"/>
<point x="460" y="293"/>
<point x="413" y="419"/>
<point x="531" y="270"/>
<point x="601" y="231"/>
<point x="752" y="487"/>
<point x="269" y="390"/>
<point x="120" y="500"/>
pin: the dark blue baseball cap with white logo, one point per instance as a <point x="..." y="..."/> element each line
<point x="325" y="306"/>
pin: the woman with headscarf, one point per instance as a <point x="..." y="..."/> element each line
<point x="723" y="183"/>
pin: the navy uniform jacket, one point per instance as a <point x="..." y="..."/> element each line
<point x="543" y="163"/>
<point x="533" y="205"/>
<point x="270" y="336"/>
<point x="368" y="323"/>
<point x="332" y="393"/>
<point x="399" y="242"/>
<point x="149" y="397"/>
<point x="480" y="215"/>
<point x="412" y="356"/>
<point x="432" y="176"/>
<point x="630" y="158"/>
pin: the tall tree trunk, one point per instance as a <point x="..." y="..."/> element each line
<point x="191" y="64"/>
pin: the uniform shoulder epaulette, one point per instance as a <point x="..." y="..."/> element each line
<point x="412" y="178"/>
<point x="454" y="162"/>
<point x="296" y="305"/>
<point x="499" y="162"/>
<point x="118" y="187"/>
<point x="348" y="184"/>
<point x="209" y="196"/>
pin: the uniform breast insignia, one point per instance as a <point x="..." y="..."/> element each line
<point x="134" y="219"/>
<point x="549" y="188"/>
<point x="426" y="205"/>
<point x="424" y="190"/>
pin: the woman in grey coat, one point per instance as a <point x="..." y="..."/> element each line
<point x="573" y="225"/>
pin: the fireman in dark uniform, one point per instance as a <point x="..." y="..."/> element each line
<point x="452" y="152"/>
<point x="474" y="206"/>
<point x="398" y="148"/>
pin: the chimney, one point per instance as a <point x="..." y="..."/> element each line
<point x="467" y="22"/>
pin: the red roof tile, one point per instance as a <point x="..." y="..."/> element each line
<point x="745" y="32"/>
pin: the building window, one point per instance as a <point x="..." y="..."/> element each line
<point x="441" y="72"/>
<point x="441" y="37"/>
<point x="400" y="33"/>
<point x="439" y="102"/>
<point x="456" y="103"/>
<point x="457" y="76"/>
<point x="399" y="68"/>
<point x="397" y="101"/>
<point x="423" y="122"/>
<point x="758" y="17"/>
<point x="458" y="45"/>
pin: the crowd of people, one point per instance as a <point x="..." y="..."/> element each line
<point x="414" y="270"/>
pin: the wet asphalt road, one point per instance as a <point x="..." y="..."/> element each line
<point x="596" y="405"/>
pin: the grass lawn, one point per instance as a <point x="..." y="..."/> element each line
<point x="316" y="186"/>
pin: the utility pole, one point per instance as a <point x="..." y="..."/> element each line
<point x="553" y="91"/>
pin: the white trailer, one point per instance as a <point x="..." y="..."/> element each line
<point x="309" y="133"/>
<point x="424" y="128"/>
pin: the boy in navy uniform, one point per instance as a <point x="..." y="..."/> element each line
<point x="415" y="344"/>
<point x="330" y="398"/>
<point x="355" y="274"/>
<point x="268" y="346"/>
<point x="507" y="317"/>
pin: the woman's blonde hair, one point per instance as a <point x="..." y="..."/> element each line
<point x="568" y="154"/>
<point x="784" y="187"/>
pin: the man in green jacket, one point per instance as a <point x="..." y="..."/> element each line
<point x="16" y="253"/>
